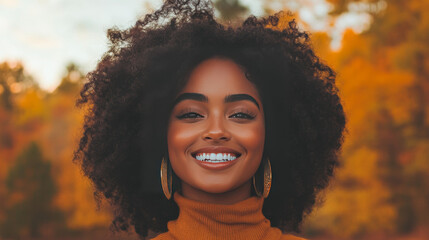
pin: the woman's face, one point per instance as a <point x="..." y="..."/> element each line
<point x="216" y="130"/>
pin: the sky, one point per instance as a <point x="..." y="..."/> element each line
<point x="46" y="35"/>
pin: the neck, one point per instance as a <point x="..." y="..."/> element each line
<point x="230" y="197"/>
<point x="240" y="221"/>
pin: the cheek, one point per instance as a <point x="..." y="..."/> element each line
<point x="252" y="138"/>
<point x="179" y="138"/>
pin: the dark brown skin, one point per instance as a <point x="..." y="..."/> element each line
<point x="238" y="125"/>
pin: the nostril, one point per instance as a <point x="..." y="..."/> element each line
<point x="216" y="135"/>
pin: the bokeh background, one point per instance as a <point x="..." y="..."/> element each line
<point x="379" y="48"/>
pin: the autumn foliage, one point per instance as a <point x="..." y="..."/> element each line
<point x="38" y="134"/>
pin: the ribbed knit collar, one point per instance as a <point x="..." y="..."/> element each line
<point x="242" y="221"/>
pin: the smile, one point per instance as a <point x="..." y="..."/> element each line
<point x="216" y="157"/>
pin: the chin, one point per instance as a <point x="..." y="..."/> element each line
<point x="218" y="187"/>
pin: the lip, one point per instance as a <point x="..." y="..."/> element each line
<point x="219" y="165"/>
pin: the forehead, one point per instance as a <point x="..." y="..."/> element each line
<point x="219" y="77"/>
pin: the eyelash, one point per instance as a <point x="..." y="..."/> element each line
<point x="187" y="114"/>
<point x="247" y="114"/>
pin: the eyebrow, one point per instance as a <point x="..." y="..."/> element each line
<point x="202" y="98"/>
<point x="240" y="97"/>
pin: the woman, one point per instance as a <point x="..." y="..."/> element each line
<point x="196" y="130"/>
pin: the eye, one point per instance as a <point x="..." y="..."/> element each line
<point x="243" y="114"/>
<point x="189" y="115"/>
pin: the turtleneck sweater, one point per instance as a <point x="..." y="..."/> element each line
<point x="240" y="221"/>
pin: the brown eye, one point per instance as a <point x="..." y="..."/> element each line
<point x="243" y="115"/>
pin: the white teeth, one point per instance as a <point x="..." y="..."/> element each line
<point x="215" y="157"/>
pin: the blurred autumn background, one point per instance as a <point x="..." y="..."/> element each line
<point x="381" y="190"/>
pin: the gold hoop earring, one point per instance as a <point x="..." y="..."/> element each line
<point x="166" y="179"/>
<point x="266" y="187"/>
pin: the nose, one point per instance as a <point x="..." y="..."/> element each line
<point x="216" y="131"/>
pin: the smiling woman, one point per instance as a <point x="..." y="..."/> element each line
<point x="198" y="130"/>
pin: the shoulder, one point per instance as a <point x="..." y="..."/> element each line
<point x="291" y="237"/>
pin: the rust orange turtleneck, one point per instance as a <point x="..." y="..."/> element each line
<point x="240" y="221"/>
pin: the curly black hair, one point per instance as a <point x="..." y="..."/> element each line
<point x="131" y="92"/>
